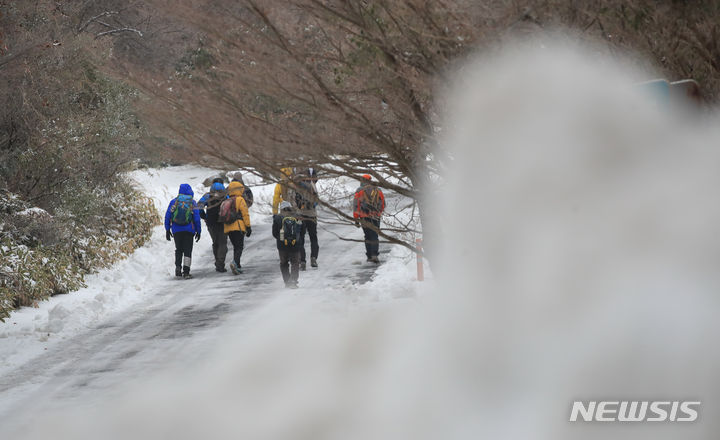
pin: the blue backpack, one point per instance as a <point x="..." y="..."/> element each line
<point x="182" y="210"/>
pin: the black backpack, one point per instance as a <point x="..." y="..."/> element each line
<point x="248" y="196"/>
<point x="290" y="231"/>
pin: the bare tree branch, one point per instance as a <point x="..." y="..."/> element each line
<point x="116" y="31"/>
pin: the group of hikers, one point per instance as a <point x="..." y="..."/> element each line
<point x="294" y="207"/>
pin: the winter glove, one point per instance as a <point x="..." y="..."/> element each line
<point x="357" y="223"/>
<point x="248" y="231"/>
<point x="197" y="237"/>
<point x="168" y="235"/>
<point x="203" y="215"/>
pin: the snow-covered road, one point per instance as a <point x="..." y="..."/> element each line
<point x="168" y="323"/>
<point x="175" y="326"/>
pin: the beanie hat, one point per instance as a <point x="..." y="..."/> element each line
<point x="367" y="176"/>
<point x="237" y="176"/>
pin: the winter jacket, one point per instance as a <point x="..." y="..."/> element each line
<point x="306" y="198"/>
<point x="235" y="189"/>
<point x="211" y="202"/>
<point x="282" y="190"/>
<point x="194" y="225"/>
<point x="277" y="226"/>
<point x="363" y="198"/>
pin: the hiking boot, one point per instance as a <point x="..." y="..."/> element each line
<point x="291" y="285"/>
<point x="313" y="262"/>
<point x="220" y="269"/>
<point x="178" y="272"/>
<point x="374" y="259"/>
<point x="235" y="268"/>
<point x="303" y="266"/>
<point x="186" y="275"/>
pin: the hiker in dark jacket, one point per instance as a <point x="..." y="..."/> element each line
<point x="182" y="221"/>
<point x="288" y="231"/>
<point x="211" y="204"/>
<point x="247" y="192"/>
<point x="369" y="204"/>
<point x="306" y="196"/>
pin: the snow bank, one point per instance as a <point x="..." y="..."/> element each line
<point x="30" y="331"/>
<point x="39" y="212"/>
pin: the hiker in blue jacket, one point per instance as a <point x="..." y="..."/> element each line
<point x="182" y="221"/>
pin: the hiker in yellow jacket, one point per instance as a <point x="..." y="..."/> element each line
<point x="282" y="190"/>
<point x="240" y="228"/>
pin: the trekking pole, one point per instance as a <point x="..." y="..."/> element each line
<point x="420" y="272"/>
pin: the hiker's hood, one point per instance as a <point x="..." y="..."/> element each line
<point x="235" y="188"/>
<point x="286" y="171"/>
<point x="186" y="189"/>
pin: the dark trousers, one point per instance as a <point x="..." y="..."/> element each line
<point x="372" y="242"/>
<point x="291" y="258"/>
<point x="219" y="243"/>
<point x="183" y="249"/>
<point x="237" y="238"/>
<point x="311" y="228"/>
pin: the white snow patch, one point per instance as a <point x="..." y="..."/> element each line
<point x="35" y="211"/>
<point x="56" y="319"/>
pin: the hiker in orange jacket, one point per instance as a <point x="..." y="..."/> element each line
<point x="368" y="207"/>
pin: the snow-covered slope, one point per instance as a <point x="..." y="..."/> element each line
<point x="29" y="331"/>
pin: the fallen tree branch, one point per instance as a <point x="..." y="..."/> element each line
<point x="115" y="31"/>
<point x="104" y="14"/>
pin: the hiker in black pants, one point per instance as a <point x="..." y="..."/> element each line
<point x="238" y="227"/>
<point x="288" y="231"/>
<point x="183" y="252"/>
<point x="211" y="202"/>
<point x="182" y="222"/>
<point x="369" y="205"/>
<point x="306" y="197"/>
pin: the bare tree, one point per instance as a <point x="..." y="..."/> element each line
<point x="351" y="86"/>
<point x="344" y="86"/>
